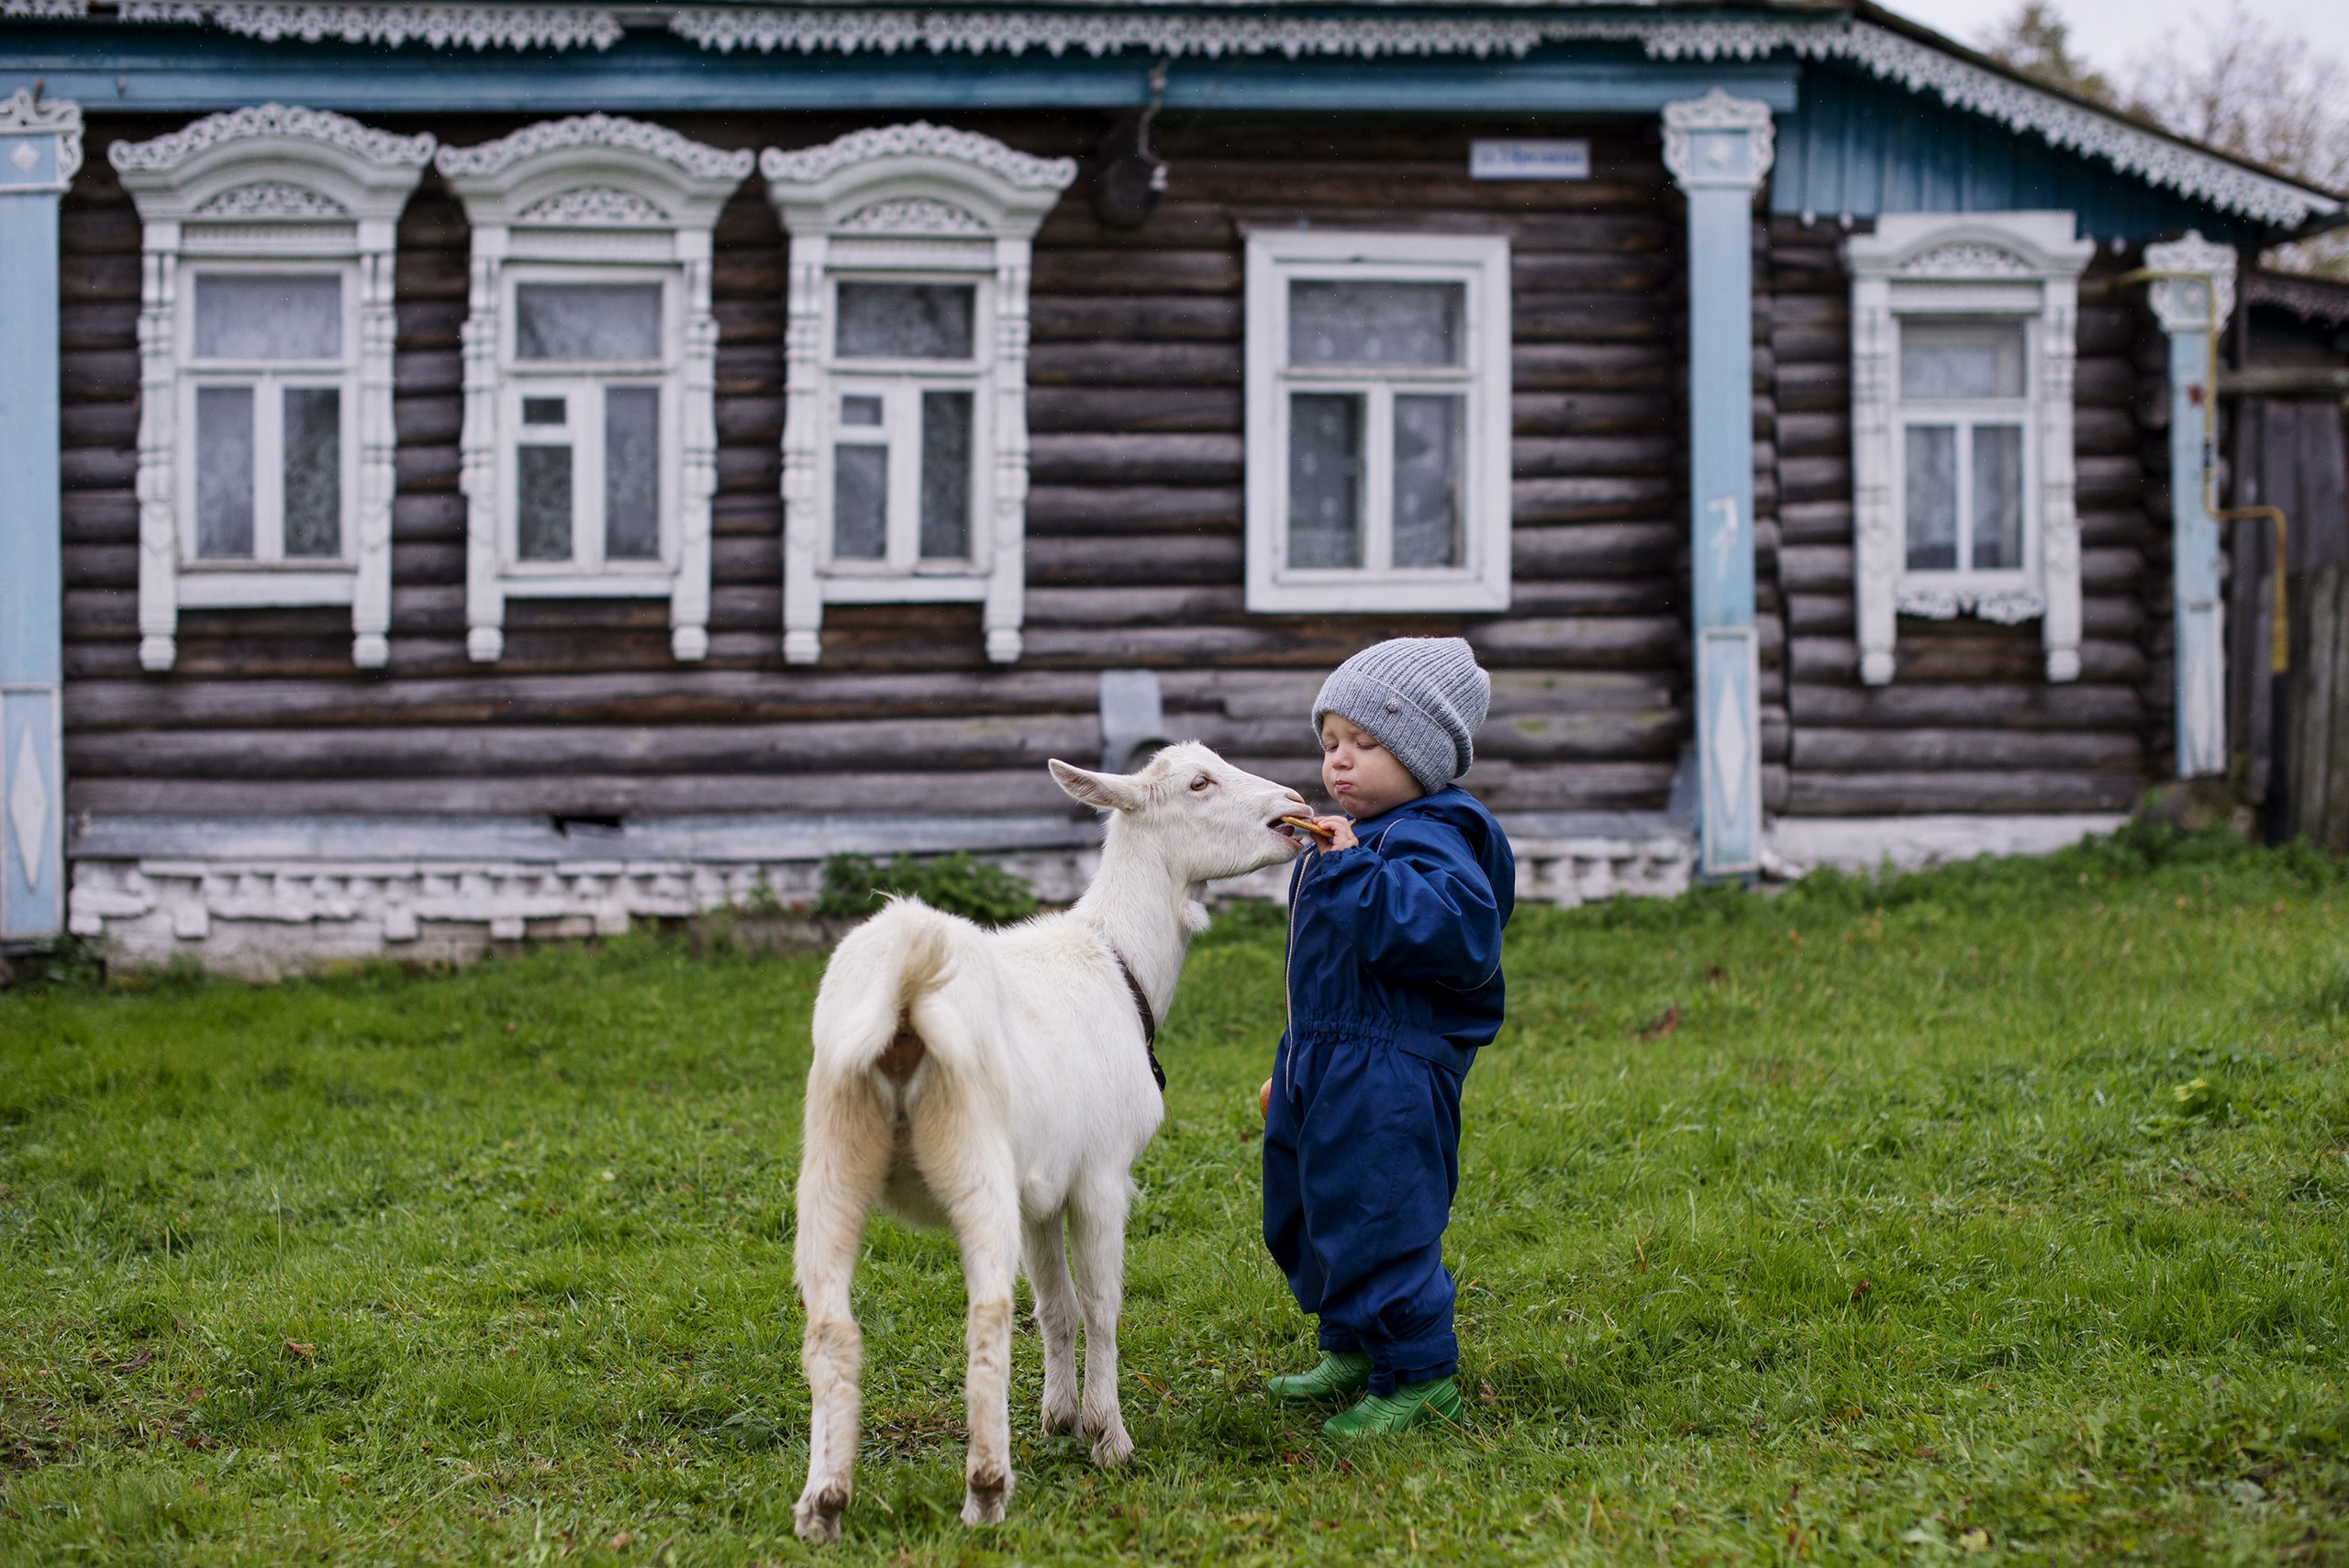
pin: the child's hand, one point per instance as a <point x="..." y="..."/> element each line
<point x="1341" y="832"/>
<point x="1265" y="1099"/>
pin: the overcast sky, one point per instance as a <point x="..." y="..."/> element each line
<point x="2109" y="32"/>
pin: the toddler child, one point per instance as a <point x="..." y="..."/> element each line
<point x="1394" y="981"/>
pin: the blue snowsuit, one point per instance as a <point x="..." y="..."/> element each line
<point x="1394" y="981"/>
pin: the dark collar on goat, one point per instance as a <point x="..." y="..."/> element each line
<point x="1142" y="1011"/>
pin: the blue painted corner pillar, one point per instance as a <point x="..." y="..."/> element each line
<point x="2193" y="295"/>
<point x="40" y="148"/>
<point x="1719" y="149"/>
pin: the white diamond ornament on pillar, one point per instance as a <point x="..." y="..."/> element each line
<point x="29" y="810"/>
<point x="24" y="157"/>
<point x="1730" y="746"/>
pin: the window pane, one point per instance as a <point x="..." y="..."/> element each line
<point x="224" y="472"/>
<point x="1998" y="497"/>
<point x="904" y="321"/>
<point x="247" y="317"/>
<point x="1325" y="479"/>
<point x="632" y="473"/>
<point x="945" y="475"/>
<point x="1961" y="359"/>
<point x="860" y="502"/>
<point x="857" y="409"/>
<point x="1931" y="497"/>
<point x="1375" y="324"/>
<point x="543" y="519"/>
<point x="313" y="471"/>
<point x="587" y="321"/>
<point x="1427" y="480"/>
<point x="542" y="411"/>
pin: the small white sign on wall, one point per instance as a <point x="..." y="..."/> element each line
<point x="1529" y="160"/>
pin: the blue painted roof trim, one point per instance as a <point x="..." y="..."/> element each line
<point x="159" y="69"/>
<point x="1857" y="147"/>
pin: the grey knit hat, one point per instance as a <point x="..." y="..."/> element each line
<point x="1422" y="696"/>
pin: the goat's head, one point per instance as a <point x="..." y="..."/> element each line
<point x="1208" y="818"/>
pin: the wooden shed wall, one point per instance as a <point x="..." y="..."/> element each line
<point x="1970" y="723"/>
<point x="1134" y="551"/>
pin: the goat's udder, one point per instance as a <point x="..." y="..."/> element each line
<point x="904" y="1054"/>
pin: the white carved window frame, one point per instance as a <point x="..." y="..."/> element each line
<point x="909" y="203"/>
<point x="2022" y="266"/>
<point x="275" y="190"/>
<point x="1481" y="264"/>
<point x="592" y="199"/>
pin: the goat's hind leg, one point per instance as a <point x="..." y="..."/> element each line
<point x="1056" y="1319"/>
<point x="986" y="1213"/>
<point x="844" y="1165"/>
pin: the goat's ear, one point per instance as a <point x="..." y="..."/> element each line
<point x="1108" y="792"/>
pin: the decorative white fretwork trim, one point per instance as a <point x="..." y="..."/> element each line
<point x="911" y="215"/>
<point x="324" y="127"/>
<point x="1891" y="56"/>
<point x="1722" y="161"/>
<point x="440" y="26"/>
<point x="1944" y="262"/>
<point x="594" y="207"/>
<point x="45" y="10"/>
<point x="271" y="180"/>
<point x="930" y="183"/>
<point x="21" y="114"/>
<point x="562" y="192"/>
<point x="2203" y="297"/>
<point x="599" y="131"/>
<point x="1020" y="170"/>
<point x="273" y="199"/>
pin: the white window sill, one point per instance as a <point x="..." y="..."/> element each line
<point x="656" y="582"/>
<point x="246" y="586"/>
<point x="1337" y="594"/>
<point x="943" y="588"/>
<point x="2008" y="598"/>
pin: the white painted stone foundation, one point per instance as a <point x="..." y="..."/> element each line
<point x="265" y="898"/>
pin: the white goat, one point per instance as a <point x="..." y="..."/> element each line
<point x="1000" y="1082"/>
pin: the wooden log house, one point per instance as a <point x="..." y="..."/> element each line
<point x="482" y="470"/>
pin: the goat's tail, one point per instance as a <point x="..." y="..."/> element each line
<point x="878" y="1009"/>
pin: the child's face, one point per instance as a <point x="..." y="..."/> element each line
<point x="1361" y="775"/>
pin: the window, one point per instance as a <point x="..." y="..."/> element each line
<point x="590" y="443"/>
<point x="905" y="442"/>
<point x="265" y="455"/>
<point x="583" y="414"/>
<point x="1962" y="353"/>
<point x="1378" y="460"/>
<point x="905" y="412"/>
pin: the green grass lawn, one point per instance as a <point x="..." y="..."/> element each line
<point x="1995" y="1213"/>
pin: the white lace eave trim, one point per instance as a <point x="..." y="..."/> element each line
<point x="473" y="27"/>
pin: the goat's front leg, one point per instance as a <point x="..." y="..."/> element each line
<point x="1097" y="1232"/>
<point x="986" y="1223"/>
<point x="1055" y="1319"/>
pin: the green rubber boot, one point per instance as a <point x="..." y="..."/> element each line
<point x="1411" y="1404"/>
<point x="1342" y="1375"/>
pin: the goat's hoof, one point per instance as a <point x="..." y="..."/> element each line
<point x="1112" y="1447"/>
<point x="983" y="1499"/>
<point x="817" y="1518"/>
<point x="1059" y="1417"/>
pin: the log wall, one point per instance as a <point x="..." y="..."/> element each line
<point x="1134" y="528"/>
<point x="1969" y="723"/>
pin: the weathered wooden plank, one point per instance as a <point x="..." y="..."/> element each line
<point x="1963" y="656"/>
<point x="1815" y="568"/>
<point x="1140" y="272"/>
<point x="1080" y="562"/>
<point x="1129" y="364"/>
<point x="1131" y="408"/>
<point x="1620" y="641"/>
<point x="1537" y="457"/>
<point x="1131" y="318"/>
<point x="1959" y="790"/>
<point x="1817" y="750"/>
<point x="1589" y="413"/>
<point x="2074" y="705"/>
<point x="1595" y="549"/>
<point x="1136" y="459"/>
<point x="1599" y="367"/>
<point x="1054" y="510"/>
<point x="1813" y="435"/>
<point x="1815" y="522"/>
<point x="1589" y="318"/>
<point x="1814" y="478"/>
<point x="1591" y="497"/>
<point x="1120" y="607"/>
<point x="584" y="794"/>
